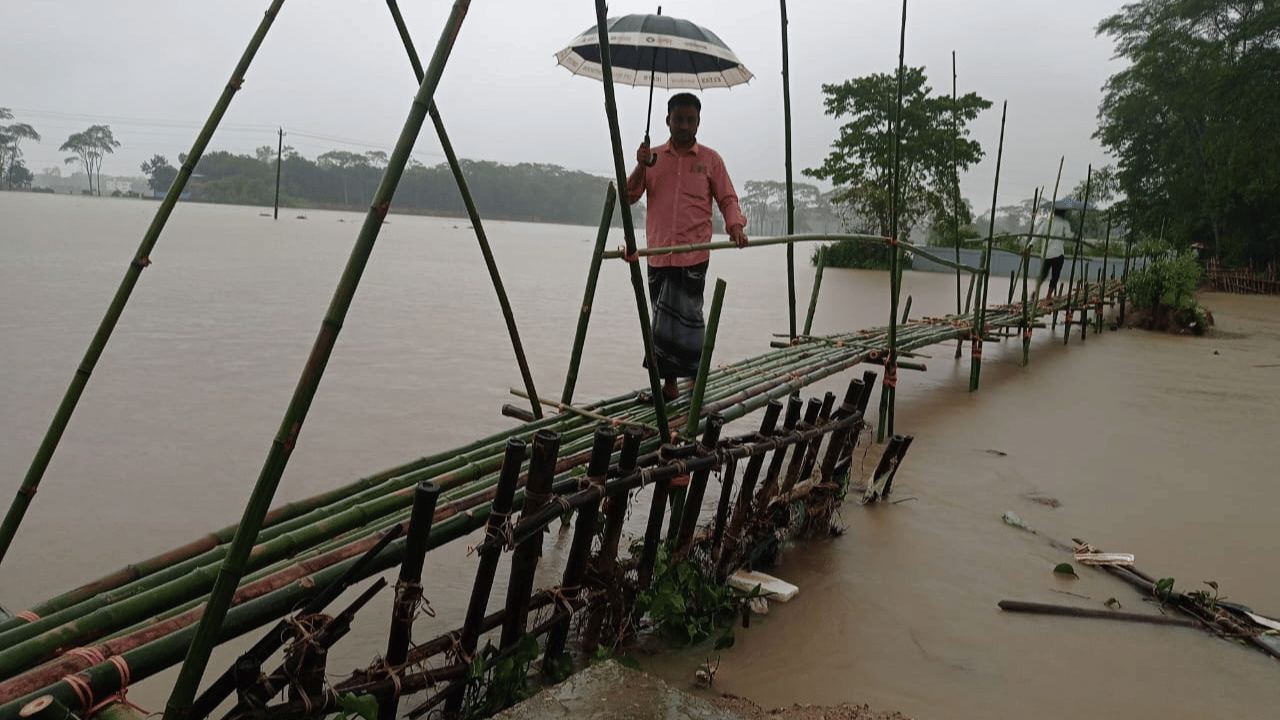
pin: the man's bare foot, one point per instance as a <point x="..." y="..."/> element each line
<point x="670" y="390"/>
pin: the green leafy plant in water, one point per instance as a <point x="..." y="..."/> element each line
<point x="686" y="603"/>
<point x="1206" y="598"/>
<point x="1065" y="569"/>
<point x="1163" y="590"/>
<point x="496" y="683"/>
<point x="356" y="706"/>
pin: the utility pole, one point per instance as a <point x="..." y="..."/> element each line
<point x="279" y="156"/>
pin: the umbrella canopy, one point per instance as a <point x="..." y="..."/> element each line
<point x="656" y="50"/>
<point x="1066" y="203"/>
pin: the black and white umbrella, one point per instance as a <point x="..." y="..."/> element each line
<point x="656" y="50"/>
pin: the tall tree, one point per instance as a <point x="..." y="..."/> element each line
<point x="861" y="160"/>
<point x="1191" y="122"/>
<point x="343" y="161"/>
<point x="89" y="148"/>
<point x="13" y="173"/>
<point x="160" y="174"/>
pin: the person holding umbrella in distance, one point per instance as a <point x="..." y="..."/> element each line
<point x="681" y="187"/>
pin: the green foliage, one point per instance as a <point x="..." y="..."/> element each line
<point x="1191" y="121"/>
<point x="861" y="162"/>
<point x="89" y="147"/>
<point x="1065" y="569"/>
<point x="357" y="706"/>
<point x="13" y="173"/>
<point x="160" y="174"/>
<point x="686" y="603"/>
<point x="1168" y="281"/>
<point x="496" y="683"/>
<point x="1207" y="598"/>
<point x="852" y="254"/>
<point x="1163" y="590"/>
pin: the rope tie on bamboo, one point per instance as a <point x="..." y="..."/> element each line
<point x="84" y="693"/>
<point x="890" y="374"/>
<point x="122" y="667"/>
<point x="977" y="348"/>
<point x="393" y="674"/>
<point x="564" y="596"/>
<point x="646" y="477"/>
<point x="1026" y="334"/>
<point x="28" y="616"/>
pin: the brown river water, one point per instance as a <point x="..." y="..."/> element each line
<point x="1157" y="445"/>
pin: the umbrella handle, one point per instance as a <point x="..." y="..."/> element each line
<point x="653" y="158"/>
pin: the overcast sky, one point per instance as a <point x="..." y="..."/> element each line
<point x="334" y="75"/>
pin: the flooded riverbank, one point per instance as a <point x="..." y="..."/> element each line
<point x="1156" y="445"/>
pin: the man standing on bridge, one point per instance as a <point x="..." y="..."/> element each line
<point x="681" y="184"/>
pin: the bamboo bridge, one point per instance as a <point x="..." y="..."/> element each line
<point x="76" y="654"/>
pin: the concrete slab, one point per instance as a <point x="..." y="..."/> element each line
<point x="609" y="691"/>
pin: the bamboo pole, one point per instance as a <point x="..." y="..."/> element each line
<point x="1069" y="611"/>
<point x="955" y="174"/>
<point x="791" y="198"/>
<point x="575" y="566"/>
<point x="813" y="297"/>
<point x="698" y="483"/>
<point x="1088" y="179"/>
<point x="888" y="391"/>
<point x="628" y="228"/>
<point x="524" y="559"/>
<point x="589" y="296"/>
<point x="975" y="366"/>
<point x="44" y="454"/>
<point x="704" y="364"/>
<point x="487" y="566"/>
<point x="1124" y="275"/>
<point x="409" y="585"/>
<point x="476" y="222"/>
<point x="219" y="600"/>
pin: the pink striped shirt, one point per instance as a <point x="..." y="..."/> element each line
<point x="681" y="187"/>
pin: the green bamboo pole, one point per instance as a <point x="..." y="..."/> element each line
<point x="887" y="392"/>
<point x="955" y="173"/>
<point x="31" y="482"/>
<point x="589" y="296"/>
<point x="695" y="404"/>
<point x="975" y="367"/>
<point x="813" y="297"/>
<point x="628" y="227"/>
<point x="282" y="447"/>
<point x="1088" y="179"/>
<point x="791" y="198"/>
<point x="704" y="365"/>
<point x="1124" y="274"/>
<point x="476" y="222"/>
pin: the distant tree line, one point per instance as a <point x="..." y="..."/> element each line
<point x="536" y="192"/>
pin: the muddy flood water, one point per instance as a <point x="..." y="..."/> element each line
<point x="1162" y="446"/>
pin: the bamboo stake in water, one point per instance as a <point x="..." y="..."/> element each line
<point x="813" y="297"/>
<point x="409" y="584"/>
<point x="141" y="259"/>
<point x="628" y="228"/>
<point x="791" y="196"/>
<point x="589" y="296"/>
<point x="975" y="364"/>
<point x="895" y="257"/>
<point x="955" y="175"/>
<point x="179" y="703"/>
